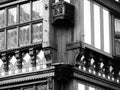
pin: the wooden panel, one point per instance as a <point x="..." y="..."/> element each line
<point x="46" y="27"/>
<point x="78" y="18"/>
<point x="61" y="41"/>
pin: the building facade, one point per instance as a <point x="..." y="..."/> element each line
<point x="59" y="45"/>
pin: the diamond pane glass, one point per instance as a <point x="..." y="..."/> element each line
<point x="24" y="12"/>
<point x="2" y="18"/>
<point x="2" y="40"/>
<point x="12" y="16"/>
<point x="24" y="35"/>
<point x="37" y="11"/>
<point x="37" y="33"/>
<point x="12" y="38"/>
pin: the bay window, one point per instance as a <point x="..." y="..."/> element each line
<point x="21" y="24"/>
<point x="96" y="26"/>
<point x="117" y="36"/>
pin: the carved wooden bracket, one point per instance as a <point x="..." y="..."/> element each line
<point x="63" y="13"/>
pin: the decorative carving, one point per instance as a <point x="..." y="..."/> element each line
<point x="12" y="64"/>
<point x="80" y="59"/>
<point x="98" y="64"/>
<point x="62" y="12"/>
<point x="26" y="63"/>
<point x="25" y="60"/>
<point x="19" y="60"/>
<point x="5" y="63"/>
<point x="32" y="55"/>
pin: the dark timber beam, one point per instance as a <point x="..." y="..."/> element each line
<point x="112" y="5"/>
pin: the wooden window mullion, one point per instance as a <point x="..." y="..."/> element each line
<point x="110" y="33"/>
<point x="6" y="29"/>
<point x="113" y="34"/>
<point x="18" y="18"/>
<point x="31" y="23"/>
<point x="101" y="29"/>
<point x="86" y="87"/>
<point x="92" y="23"/>
<point x="18" y="14"/>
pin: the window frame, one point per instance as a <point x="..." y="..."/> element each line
<point x="102" y="49"/>
<point x="114" y="35"/>
<point x="17" y="25"/>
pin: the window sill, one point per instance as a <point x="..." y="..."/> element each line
<point x="83" y="45"/>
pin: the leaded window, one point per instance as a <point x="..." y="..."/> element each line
<point x="117" y="36"/>
<point x="21" y="24"/>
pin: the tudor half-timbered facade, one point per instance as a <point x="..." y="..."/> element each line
<point x="59" y="45"/>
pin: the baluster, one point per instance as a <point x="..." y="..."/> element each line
<point x="101" y="66"/>
<point x="23" y="64"/>
<point x="9" y="56"/>
<point x="19" y="61"/>
<point x="5" y="64"/>
<point x="117" y="70"/>
<point x="32" y="55"/>
<point x="88" y="57"/>
<point x="109" y="70"/>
